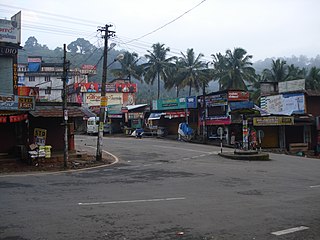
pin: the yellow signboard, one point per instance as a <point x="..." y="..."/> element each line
<point x="103" y="101"/>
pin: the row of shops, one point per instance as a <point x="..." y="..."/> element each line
<point x="232" y="115"/>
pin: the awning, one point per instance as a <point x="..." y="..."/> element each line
<point x="155" y="116"/>
<point x="56" y="111"/>
<point x="132" y="107"/>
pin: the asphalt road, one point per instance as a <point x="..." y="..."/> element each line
<point x="162" y="189"/>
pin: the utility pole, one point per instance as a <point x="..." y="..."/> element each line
<point x="64" y="105"/>
<point x="204" y="120"/>
<point x="103" y="99"/>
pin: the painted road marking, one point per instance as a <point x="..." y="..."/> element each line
<point x="315" y="186"/>
<point x="290" y="230"/>
<point x="133" y="201"/>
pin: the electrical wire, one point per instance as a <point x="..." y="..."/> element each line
<point x="168" y="23"/>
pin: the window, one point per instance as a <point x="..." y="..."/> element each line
<point x="47" y="90"/>
<point x="32" y="78"/>
<point x="47" y="78"/>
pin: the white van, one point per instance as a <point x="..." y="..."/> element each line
<point x="93" y="126"/>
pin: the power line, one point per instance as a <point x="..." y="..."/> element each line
<point x="168" y="23"/>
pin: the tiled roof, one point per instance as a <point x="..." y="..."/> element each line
<point x="56" y="111"/>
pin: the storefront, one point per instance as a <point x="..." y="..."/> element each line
<point x="171" y="112"/>
<point x="277" y="130"/>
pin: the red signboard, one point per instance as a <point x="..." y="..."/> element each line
<point x="222" y="121"/>
<point x="29" y="91"/>
<point x="238" y="96"/>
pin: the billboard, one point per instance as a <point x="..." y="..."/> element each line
<point x="10" y="30"/>
<point x="291" y="86"/>
<point x="110" y="87"/>
<point x="93" y="99"/>
<point x="284" y="104"/>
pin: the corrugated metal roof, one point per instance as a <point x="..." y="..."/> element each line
<point x="56" y="111"/>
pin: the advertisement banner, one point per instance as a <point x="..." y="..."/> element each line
<point x="290" y="86"/>
<point x="110" y="87"/>
<point x="93" y="99"/>
<point x="10" y="30"/>
<point x="284" y="104"/>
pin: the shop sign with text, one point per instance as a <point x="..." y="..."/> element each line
<point x="17" y="103"/>
<point x="273" y="121"/>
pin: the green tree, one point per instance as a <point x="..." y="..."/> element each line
<point x="234" y="69"/>
<point x="191" y="68"/>
<point x="278" y="73"/>
<point x="175" y="78"/>
<point x="157" y="66"/>
<point x="313" y="79"/>
<point x="81" y="45"/>
<point x="129" y="67"/>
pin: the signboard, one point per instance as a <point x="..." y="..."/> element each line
<point x="104" y="101"/>
<point x="8" y="51"/>
<point x="40" y="136"/>
<point x="191" y="102"/>
<point x="88" y="69"/>
<point x="241" y="105"/>
<point x="10" y="30"/>
<point x="16" y="103"/>
<point x="217" y="121"/>
<point x="28" y="91"/>
<point x="110" y="87"/>
<point x="273" y="121"/>
<point x="93" y="99"/>
<point x="216" y="100"/>
<point x="174" y="103"/>
<point x="115" y="109"/>
<point x="238" y="96"/>
<point x="290" y="86"/>
<point x="284" y="104"/>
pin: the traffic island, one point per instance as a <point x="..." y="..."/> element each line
<point x="247" y="155"/>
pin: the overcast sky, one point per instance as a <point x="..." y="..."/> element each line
<point x="265" y="28"/>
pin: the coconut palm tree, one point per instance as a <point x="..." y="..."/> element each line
<point x="158" y="65"/>
<point x="234" y="69"/>
<point x="313" y="79"/>
<point x="175" y="78"/>
<point x="129" y="67"/>
<point x="279" y="71"/>
<point x="191" y="68"/>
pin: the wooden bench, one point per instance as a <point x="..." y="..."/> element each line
<point x="298" y="147"/>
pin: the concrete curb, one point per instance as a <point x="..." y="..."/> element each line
<point x="21" y="174"/>
<point x="249" y="157"/>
